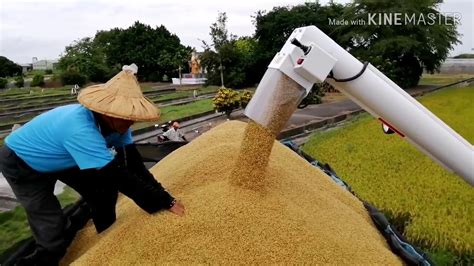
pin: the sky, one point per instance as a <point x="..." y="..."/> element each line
<point x="43" y="28"/>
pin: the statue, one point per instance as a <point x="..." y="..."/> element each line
<point x="195" y="65"/>
<point x="197" y="75"/>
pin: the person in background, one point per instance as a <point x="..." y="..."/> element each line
<point x="15" y="127"/>
<point x="89" y="147"/>
<point x="164" y="127"/>
<point x="174" y="133"/>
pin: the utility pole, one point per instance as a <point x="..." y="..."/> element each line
<point x="179" y="70"/>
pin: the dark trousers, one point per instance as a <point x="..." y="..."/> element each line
<point x="99" y="188"/>
<point x="34" y="191"/>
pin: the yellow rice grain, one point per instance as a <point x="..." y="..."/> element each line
<point x="301" y="217"/>
<point x="250" y="167"/>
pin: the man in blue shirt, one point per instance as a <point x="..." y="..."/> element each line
<point x="89" y="147"/>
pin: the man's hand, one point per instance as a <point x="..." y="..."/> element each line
<point x="177" y="209"/>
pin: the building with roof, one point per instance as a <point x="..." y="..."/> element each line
<point x="44" y="64"/>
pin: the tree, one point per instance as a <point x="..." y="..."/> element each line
<point x="155" y="51"/>
<point x="19" y="81"/>
<point x="246" y="49"/>
<point x="401" y="51"/>
<point x="210" y="60"/>
<point x="219" y="33"/>
<point x="38" y="81"/>
<point x="273" y="28"/>
<point x="216" y="55"/>
<point x="8" y="68"/>
<point x="464" y="56"/>
<point x="235" y="55"/>
<point x="73" y="77"/>
<point x="86" y="57"/>
<point x="3" y="83"/>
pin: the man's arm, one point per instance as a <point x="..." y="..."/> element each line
<point x="167" y="134"/>
<point x="181" y="135"/>
<point x="138" y="184"/>
<point x="153" y="191"/>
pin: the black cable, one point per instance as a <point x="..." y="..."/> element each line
<point x="302" y="105"/>
<point x="331" y="75"/>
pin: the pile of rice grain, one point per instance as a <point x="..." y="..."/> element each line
<point x="300" y="217"/>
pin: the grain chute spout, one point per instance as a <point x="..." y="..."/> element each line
<point x="309" y="56"/>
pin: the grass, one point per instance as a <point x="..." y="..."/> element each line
<point x="39" y="98"/>
<point x="184" y="94"/>
<point x="167" y="113"/>
<point x="21" y="120"/>
<point x="175" y="112"/>
<point x="38" y="93"/>
<point x="431" y="206"/>
<point x="68" y="196"/>
<point x="14" y="225"/>
<point x="34" y="92"/>
<point x="32" y="73"/>
<point x="36" y="103"/>
<point x="13" y="228"/>
<point x="442" y="79"/>
<point x="179" y="111"/>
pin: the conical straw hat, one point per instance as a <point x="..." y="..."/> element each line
<point x="121" y="97"/>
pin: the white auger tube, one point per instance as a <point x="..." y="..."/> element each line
<point x="314" y="56"/>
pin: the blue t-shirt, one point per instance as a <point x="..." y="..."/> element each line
<point x="65" y="137"/>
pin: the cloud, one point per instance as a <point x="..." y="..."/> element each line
<point x="465" y="8"/>
<point x="42" y="28"/>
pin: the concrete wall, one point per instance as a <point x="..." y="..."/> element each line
<point x="457" y="66"/>
<point x="43" y="64"/>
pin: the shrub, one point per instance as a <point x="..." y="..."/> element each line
<point x="53" y="82"/>
<point x="71" y="77"/>
<point x="464" y="56"/>
<point x="8" y="68"/>
<point x="38" y="81"/>
<point x="226" y="100"/>
<point x="48" y="71"/>
<point x="314" y="96"/>
<point x="97" y="73"/>
<point x="19" y="81"/>
<point x="326" y="87"/>
<point x="153" y="77"/>
<point x="3" y="83"/>
<point x="245" y="97"/>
